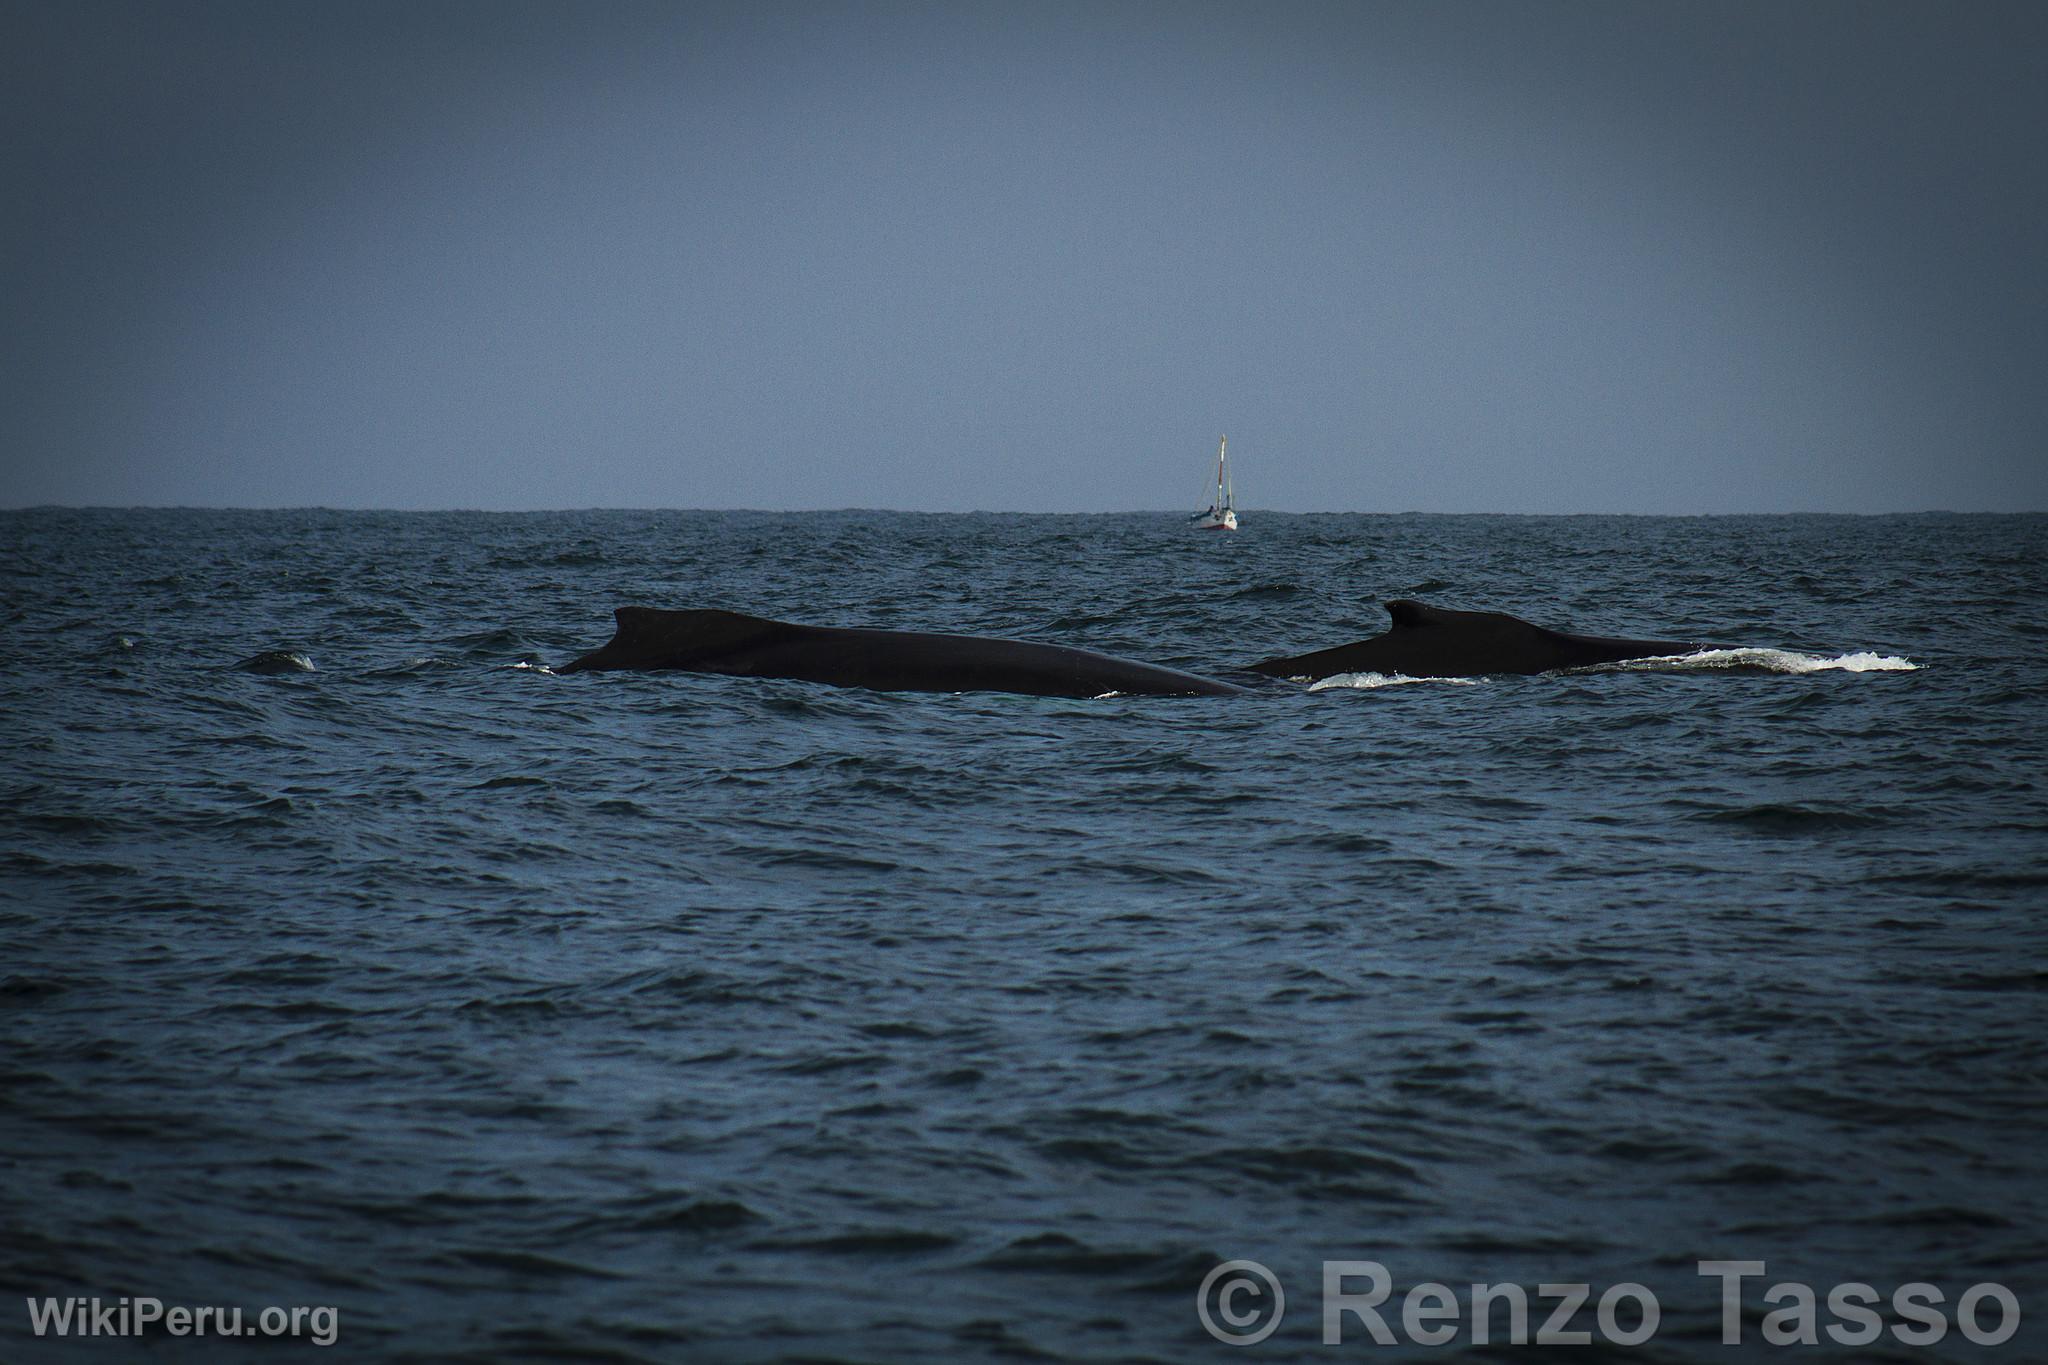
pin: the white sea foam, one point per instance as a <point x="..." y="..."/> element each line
<point x="1364" y="681"/>
<point x="1706" y="660"/>
<point x="1768" y="661"/>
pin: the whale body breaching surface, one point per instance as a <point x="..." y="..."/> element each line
<point x="1423" y="642"/>
<point x="1434" y="642"/>
<point x="712" y="641"/>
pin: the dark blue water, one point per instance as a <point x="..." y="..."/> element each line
<point x="348" y="959"/>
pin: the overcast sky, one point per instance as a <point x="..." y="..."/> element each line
<point x="1655" y="257"/>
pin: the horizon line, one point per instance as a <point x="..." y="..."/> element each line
<point x="978" y="511"/>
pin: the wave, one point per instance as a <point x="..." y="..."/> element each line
<point x="414" y="667"/>
<point x="1367" y="681"/>
<point x="1779" y="817"/>
<point x="276" y="661"/>
<point x="1702" y="661"/>
<point x="485" y="643"/>
<point x="1762" y="661"/>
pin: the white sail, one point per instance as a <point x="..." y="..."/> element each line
<point x="1222" y="513"/>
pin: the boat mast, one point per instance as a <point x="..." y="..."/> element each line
<point x="1222" y="444"/>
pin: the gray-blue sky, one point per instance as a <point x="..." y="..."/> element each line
<point x="1457" y="256"/>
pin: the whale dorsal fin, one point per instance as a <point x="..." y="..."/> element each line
<point x="638" y="623"/>
<point x="701" y="632"/>
<point x="653" y="637"/>
<point x="1409" y="614"/>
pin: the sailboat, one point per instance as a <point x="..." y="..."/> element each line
<point x="1222" y="513"/>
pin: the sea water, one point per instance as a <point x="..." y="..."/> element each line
<point x="351" y="957"/>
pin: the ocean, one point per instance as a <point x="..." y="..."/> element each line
<point x="351" y="958"/>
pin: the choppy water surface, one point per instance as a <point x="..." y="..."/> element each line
<point x="349" y="961"/>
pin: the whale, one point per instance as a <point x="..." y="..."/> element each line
<point x="1422" y="642"/>
<point x="1436" y="642"/>
<point x="708" y="640"/>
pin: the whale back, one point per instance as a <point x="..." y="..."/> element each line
<point x="1436" y="642"/>
<point x="1422" y="642"/>
<point x="714" y="641"/>
<point x="653" y="638"/>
